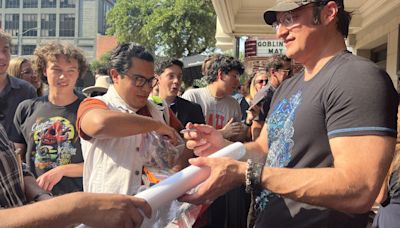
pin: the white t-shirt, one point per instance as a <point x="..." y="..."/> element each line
<point x="217" y="111"/>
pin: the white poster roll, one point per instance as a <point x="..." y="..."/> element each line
<point x="178" y="184"/>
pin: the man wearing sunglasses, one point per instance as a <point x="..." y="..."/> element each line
<point x="279" y="69"/>
<point x="111" y="126"/>
<point x="330" y="132"/>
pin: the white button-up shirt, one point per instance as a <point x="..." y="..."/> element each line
<point x="114" y="165"/>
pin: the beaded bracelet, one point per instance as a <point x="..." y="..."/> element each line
<point x="253" y="175"/>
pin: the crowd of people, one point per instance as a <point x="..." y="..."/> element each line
<point x="320" y="143"/>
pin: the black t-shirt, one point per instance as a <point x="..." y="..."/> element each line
<point x="389" y="213"/>
<point x="51" y="138"/>
<point x="16" y="91"/>
<point x="349" y="96"/>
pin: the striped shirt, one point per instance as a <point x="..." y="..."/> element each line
<point x="11" y="193"/>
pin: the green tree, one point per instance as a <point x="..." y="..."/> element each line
<point x="101" y="63"/>
<point x="169" y="27"/>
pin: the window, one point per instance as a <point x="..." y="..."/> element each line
<point x="28" y="49"/>
<point x="49" y="4"/>
<point x="1" y="3"/>
<point x="67" y="25"/>
<point x="14" y="49"/>
<point x="30" y="3"/>
<point x="12" y="3"/>
<point x="11" y="25"/>
<point x="67" y="4"/>
<point x="29" y="25"/>
<point x="48" y="25"/>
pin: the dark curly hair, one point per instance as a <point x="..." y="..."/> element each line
<point x="49" y="52"/>
<point x="121" y="56"/>
<point x="277" y="62"/>
<point x="224" y="64"/>
<point x="162" y="65"/>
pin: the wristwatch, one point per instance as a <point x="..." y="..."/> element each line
<point x="37" y="197"/>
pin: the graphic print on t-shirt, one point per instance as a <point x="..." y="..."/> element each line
<point x="281" y="131"/>
<point x="53" y="139"/>
<point x="280" y="139"/>
<point x="215" y="119"/>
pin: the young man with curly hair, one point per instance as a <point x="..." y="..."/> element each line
<point x="46" y="125"/>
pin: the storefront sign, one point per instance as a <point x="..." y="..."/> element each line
<point x="263" y="48"/>
<point x="270" y="47"/>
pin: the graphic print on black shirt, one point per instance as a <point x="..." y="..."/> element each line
<point x="53" y="142"/>
<point x="280" y="139"/>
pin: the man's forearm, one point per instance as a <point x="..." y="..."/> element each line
<point x="254" y="152"/>
<point x="56" y="212"/>
<point x="100" y="123"/>
<point x="326" y="187"/>
<point x="72" y="170"/>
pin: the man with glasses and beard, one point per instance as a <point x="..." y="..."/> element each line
<point x="111" y="126"/>
<point x="12" y="90"/>
<point x="330" y="133"/>
<point x="279" y="69"/>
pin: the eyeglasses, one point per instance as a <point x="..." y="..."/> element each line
<point x="288" y="19"/>
<point x="140" y="80"/>
<point x="286" y="71"/>
<point x="30" y="72"/>
<point x="262" y="81"/>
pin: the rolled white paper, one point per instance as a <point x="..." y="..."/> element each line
<point x="178" y="184"/>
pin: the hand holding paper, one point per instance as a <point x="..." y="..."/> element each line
<point x="181" y="182"/>
<point x="204" y="140"/>
<point x="225" y="174"/>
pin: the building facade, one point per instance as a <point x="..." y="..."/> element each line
<point x="374" y="29"/>
<point x="31" y="22"/>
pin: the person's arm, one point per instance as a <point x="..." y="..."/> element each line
<point x="95" y="120"/>
<point x="183" y="160"/>
<point x="50" y="178"/>
<point x="100" y="123"/>
<point x="33" y="191"/>
<point x="22" y="150"/>
<point x="232" y="130"/>
<point x="351" y="185"/>
<point x="256" y="127"/>
<point x="91" y="209"/>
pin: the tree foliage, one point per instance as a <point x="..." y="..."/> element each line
<point x="169" y="27"/>
<point x="101" y="63"/>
